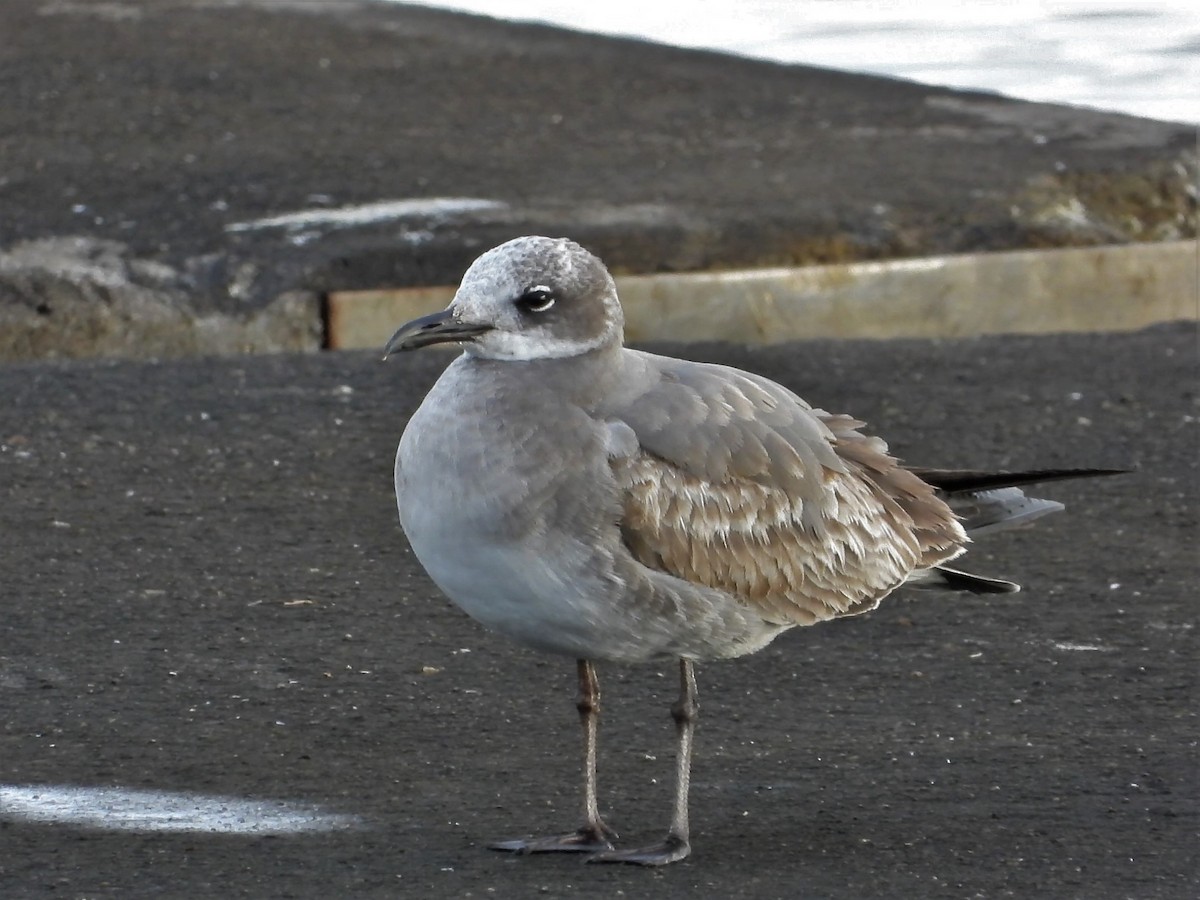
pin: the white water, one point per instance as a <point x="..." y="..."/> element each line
<point x="1141" y="58"/>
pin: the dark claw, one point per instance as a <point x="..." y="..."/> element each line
<point x="671" y="849"/>
<point x="589" y="839"/>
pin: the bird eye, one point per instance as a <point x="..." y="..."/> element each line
<point x="536" y="299"/>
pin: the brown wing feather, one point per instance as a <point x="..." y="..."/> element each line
<point x="817" y="522"/>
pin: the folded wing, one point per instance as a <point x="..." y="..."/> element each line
<point x="751" y="491"/>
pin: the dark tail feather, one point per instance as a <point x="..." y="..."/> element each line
<point x="992" y="501"/>
<point x="954" y="481"/>
<point x="946" y="579"/>
<point x="985" y="502"/>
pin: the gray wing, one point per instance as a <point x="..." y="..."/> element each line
<point x="737" y="484"/>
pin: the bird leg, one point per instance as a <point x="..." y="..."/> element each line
<point x="593" y="835"/>
<point x="676" y="845"/>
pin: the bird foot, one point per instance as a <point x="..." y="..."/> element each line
<point x="671" y="849"/>
<point x="590" y="838"/>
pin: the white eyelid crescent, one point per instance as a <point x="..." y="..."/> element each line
<point x="545" y="305"/>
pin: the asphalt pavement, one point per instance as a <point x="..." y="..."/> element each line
<point x="206" y="592"/>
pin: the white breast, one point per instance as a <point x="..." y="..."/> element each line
<point x="484" y="510"/>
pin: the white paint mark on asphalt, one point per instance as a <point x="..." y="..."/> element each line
<point x="368" y="213"/>
<point x="126" y="809"/>
<point x="1067" y="645"/>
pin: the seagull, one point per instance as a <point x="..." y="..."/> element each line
<point x="613" y="505"/>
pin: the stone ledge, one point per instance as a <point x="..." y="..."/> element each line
<point x="223" y="196"/>
<point x="1114" y="288"/>
<point x="81" y="297"/>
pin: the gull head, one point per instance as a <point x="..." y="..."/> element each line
<point x="530" y="298"/>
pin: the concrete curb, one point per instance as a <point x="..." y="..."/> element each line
<point x="1113" y="288"/>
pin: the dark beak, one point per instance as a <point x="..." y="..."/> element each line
<point x="437" y="328"/>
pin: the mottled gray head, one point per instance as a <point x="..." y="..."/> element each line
<point x="529" y="298"/>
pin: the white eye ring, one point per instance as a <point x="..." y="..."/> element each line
<point x="537" y="299"/>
